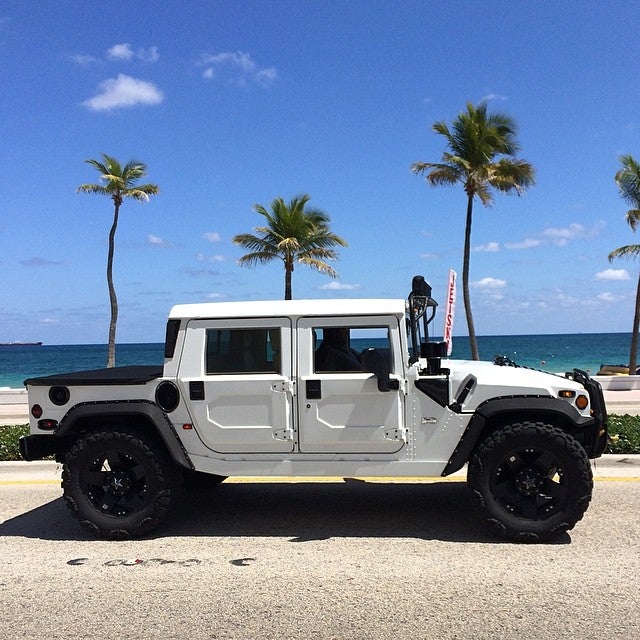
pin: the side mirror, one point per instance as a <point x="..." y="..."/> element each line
<point x="376" y="362"/>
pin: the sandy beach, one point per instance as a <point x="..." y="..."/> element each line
<point x="620" y="394"/>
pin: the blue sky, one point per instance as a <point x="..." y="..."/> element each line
<point x="236" y="103"/>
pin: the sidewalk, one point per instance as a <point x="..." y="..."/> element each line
<point x="13" y="406"/>
<point x="621" y="402"/>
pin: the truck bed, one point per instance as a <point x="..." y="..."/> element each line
<point x="140" y="374"/>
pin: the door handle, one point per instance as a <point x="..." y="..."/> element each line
<point x="313" y="389"/>
<point x="196" y="390"/>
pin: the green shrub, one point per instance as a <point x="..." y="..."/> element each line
<point x="9" y="437"/>
<point x="624" y="434"/>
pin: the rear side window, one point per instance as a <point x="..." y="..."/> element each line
<point x="171" y="337"/>
<point x="242" y="351"/>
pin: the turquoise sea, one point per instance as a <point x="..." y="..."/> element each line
<point x="555" y="353"/>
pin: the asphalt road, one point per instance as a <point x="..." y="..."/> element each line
<point x="340" y="560"/>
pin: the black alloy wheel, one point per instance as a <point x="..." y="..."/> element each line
<point x="531" y="481"/>
<point x="119" y="484"/>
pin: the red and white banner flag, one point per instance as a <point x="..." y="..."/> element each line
<point x="449" y="311"/>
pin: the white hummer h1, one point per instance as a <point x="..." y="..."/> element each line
<point x="318" y="388"/>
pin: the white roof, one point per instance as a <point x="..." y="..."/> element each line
<point x="289" y="308"/>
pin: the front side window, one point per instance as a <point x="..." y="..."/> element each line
<point x="339" y="349"/>
<point x="242" y="351"/>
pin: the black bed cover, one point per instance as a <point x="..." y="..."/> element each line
<point x="115" y="375"/>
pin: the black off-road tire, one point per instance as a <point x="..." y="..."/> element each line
<point x="119" y="484"/>
<point x="531" y="482"/>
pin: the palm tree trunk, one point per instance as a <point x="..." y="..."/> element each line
<point x="633" y="355"/>
<point x="287" y="282"/>
<point x="288" y="270"/>
<point x="473" y="343"/>
<point x="111" y="353"/>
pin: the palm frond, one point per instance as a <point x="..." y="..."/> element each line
<point x="475" y="143"/>
<point x="628" y="251"/>
<point x="118" y="181"/>
<point x="628" y="180"/>
<point x="257" y="257"/>
<point x="293" y="232"/>
<point x="633" y="218"/>
<point x="318" y="265"/>
<point x="92" y="188"/>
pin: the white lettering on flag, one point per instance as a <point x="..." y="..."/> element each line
<point x="450" y="311"/>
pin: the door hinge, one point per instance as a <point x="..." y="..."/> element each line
<point x="283" y="434"/>
<point x="284" y="386"/>
<point x="394" y="434"/>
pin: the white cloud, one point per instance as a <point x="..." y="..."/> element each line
<point x="217" y="258"/>
<point x="120" y="52"/>
<point x="562" y="236"/>
<point x="84" y="59"/>
<point x="148" y="55"/>
<point x="528" y="243"/>
<point x="613" y="274"/>
<point x="211" y="236"/>
<point x="124" y="91"/>
<point x="215" y="296"/>
<point x="489" y="283"/>
<point x="558" y="236"/>
<point x="608" y="297"/>
<point x="492" y="288"/>
<point x="40" y="262"/>
<point x="429" y="256"/>
<point x="156" y="240"/>
<point x="123" y="52"/>
<point x="493" y="96"/>
<point x="266" y="77"/>
<point x="237" y="67"/>
<point x="490" y="247"/>
<point x="339" y="286"/>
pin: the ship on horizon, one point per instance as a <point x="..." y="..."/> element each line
<point x="20" y="344"/>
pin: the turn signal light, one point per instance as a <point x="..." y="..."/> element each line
<point x="567" y="393"/>
<point x="582" y="402"/>
<point x="36" y="411"/>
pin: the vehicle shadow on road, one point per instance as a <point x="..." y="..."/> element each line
<point x="301" y="512"/>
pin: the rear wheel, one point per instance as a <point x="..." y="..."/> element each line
<point x="119" y="484"/>
<point x="530" y="481"/>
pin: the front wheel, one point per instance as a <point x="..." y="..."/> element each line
<point x="530" y="481"/>
<point x="119" y="484"/>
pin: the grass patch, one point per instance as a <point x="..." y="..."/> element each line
<point x="624" y="437"/>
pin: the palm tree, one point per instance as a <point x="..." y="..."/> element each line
<point x="118" y="183"/>
<point x="474" y="142"/>
<point x="628" y="181"/>
<point x="292" y="233"/>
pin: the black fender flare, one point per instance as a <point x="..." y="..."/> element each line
<point x="524" y="407"/>
<point x="104" y="410"/>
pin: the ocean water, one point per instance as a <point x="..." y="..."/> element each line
<point x="555" y="353"/>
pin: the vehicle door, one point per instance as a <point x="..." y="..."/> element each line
<point x="237" y="376"/>
<point x="342" y="411"/>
